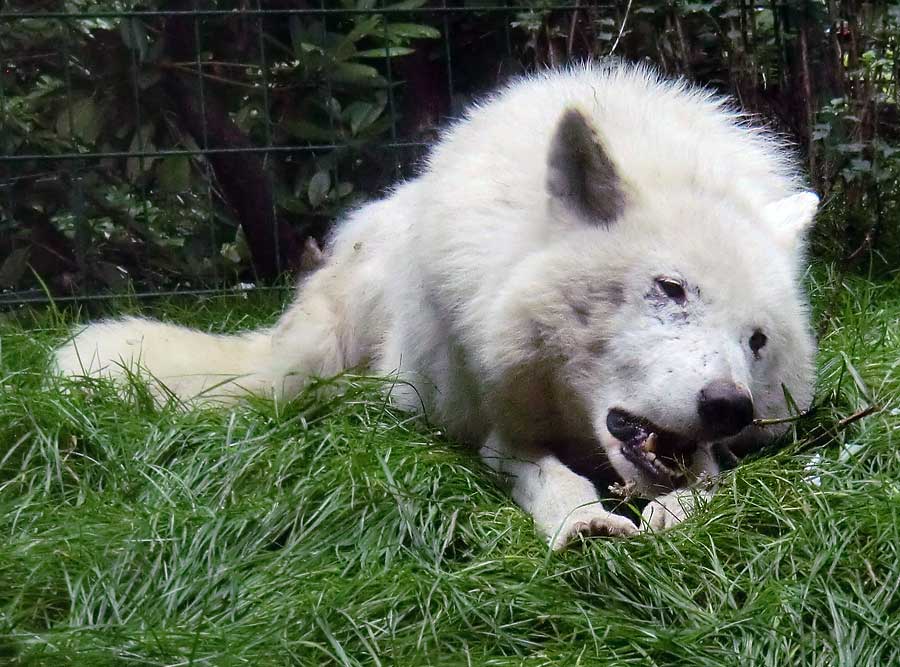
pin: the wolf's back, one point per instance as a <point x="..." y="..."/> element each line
<point x="189" y="363"/>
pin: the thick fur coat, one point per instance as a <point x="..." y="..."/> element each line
<point x="595" y="278"/>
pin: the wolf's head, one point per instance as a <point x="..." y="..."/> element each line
<point x="670" y="306"/>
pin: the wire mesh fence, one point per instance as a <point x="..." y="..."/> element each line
<point x="183" y="146"/>
<point x="197" y="147"/>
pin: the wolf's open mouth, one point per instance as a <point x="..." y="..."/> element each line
<point x="661" y="454"/>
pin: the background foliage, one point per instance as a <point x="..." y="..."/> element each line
<point x="346" y="95"/>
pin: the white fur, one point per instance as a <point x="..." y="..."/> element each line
<point x="171" y="354"/>
<point x="518" y="321"/>
<point x="671" y="509"/>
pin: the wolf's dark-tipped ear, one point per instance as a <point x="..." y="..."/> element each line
<point x="580" y="174"/>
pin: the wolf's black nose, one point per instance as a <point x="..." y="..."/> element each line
<point x="725" y="408"/>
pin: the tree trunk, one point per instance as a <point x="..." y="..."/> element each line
<point x="274" y="245"/>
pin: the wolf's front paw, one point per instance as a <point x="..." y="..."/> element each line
<point x="671" y="509"/>
<point x="590" y="521"/>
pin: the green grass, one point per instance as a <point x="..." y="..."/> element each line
<point x="338" y="531"/>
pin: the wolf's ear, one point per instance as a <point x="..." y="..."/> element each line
<point x="580" y="174"/>
<point x="790" y="218"/>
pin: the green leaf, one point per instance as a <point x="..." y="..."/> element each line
<point x="319" y="185"/>
<point x="391" y="52"/>
<point x="292" y="204"/>
<point x="376" y="129"/>
<point x="140" y="142"/>
<point x="356" y="114"/>
<point x="230" y="252"/>
<point x="407" y="4"/>
<point x="820" y="131"/>
<point x="332" y="107"/>
<point x="361" y="115"/>
<point x="885" y="149"/>
<point x="237" y="251"/>
<point x="412" y="31"/>
<point x="13" y="267"/>
<point x="309" y="37"/>
<point x="86" y="118"/>
<point x="364" y="27"/>
<point x="850" y="148"/>
<point x="174" y="174"/>
<point x="355" y="73"/>
<point x="300" y="128"/>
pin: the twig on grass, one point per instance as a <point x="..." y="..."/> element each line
<point x="830" y="432"/>
<point x="783" y="420"/>
<point x="856" y="416"/>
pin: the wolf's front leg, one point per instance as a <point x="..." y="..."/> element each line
<point x="564" y="505"/>
<point x="673" y="508"/>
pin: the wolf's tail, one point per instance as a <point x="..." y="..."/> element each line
<point x="191" y="364"/>
<point x="336" y="321"/>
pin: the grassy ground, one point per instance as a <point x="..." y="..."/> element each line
<point x="341" y="532"/>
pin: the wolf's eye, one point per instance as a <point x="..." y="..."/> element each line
<point x="757" y="341"/>
<point x="672" y="289"/>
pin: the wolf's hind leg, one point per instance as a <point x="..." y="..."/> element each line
<point x="564" y="505"/>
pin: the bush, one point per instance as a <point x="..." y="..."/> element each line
<point x="347" y="98"/>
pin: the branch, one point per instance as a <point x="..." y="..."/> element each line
<point x="856" y="416"/>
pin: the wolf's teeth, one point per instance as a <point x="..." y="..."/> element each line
<point x="650" y="443"/>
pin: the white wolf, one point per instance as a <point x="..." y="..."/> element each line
<point x="595" y="278"/>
